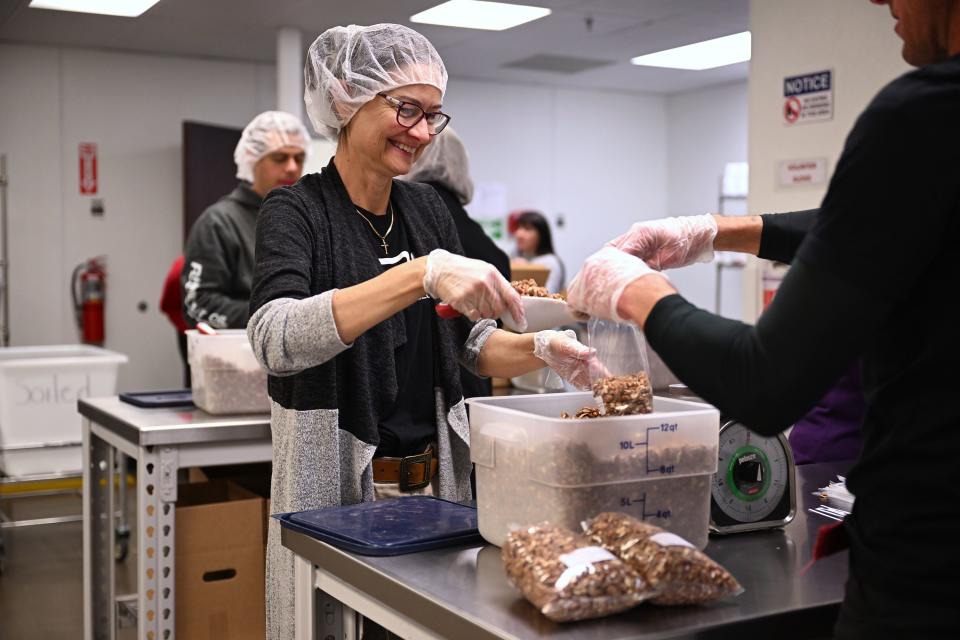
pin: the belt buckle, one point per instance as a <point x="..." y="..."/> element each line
<point x="406" y="462"/>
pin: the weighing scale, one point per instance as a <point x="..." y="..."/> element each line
<point x="755" y="483"/>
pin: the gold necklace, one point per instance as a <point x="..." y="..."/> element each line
<point x="383" y="238"/>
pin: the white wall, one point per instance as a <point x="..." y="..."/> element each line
<point x="598" y="159"/>
<point x="855" y="40"/>
<point x="132" y="106"/>
<point x="707" y="128"/>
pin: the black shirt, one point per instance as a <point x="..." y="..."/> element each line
<point x="874" y="276"/>
<point x="412" y="423"/>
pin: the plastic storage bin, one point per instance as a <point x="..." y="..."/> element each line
<point x="533" y="465"/>
<point x="39" y="389"/>
<point x="224" y="374"/>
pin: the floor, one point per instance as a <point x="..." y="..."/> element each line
<point x="41" y="593"/>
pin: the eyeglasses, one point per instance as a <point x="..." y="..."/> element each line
<point x="410" y="114"/>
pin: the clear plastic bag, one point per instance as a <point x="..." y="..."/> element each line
<point x="568" y="578"/>
<point x="620" y="378"/>
<point x="679" y="572"/>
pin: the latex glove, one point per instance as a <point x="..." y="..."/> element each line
<point x="569" y="358"/>
<point x="472" y="287"/>
<point x="670" y="243"/>
<point x="596" y="290"/>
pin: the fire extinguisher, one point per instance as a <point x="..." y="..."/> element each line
<point x="89" y="288"/>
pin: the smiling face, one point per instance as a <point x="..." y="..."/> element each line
<point x="923" y="25"/>
<point x="375" y="138"/>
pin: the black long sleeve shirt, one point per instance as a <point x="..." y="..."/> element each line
<point x="874" y="276"/>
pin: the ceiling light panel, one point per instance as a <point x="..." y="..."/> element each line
<point x="478" y="14"/>
<point x="708" y="54"/>
<point x="123" y="8"/>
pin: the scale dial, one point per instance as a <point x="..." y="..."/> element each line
<point x="753" y="485"/>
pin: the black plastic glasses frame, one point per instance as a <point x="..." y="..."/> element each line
<point x="400" y="104"/>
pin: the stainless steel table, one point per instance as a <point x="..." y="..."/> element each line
<point x="462" y="592"/>
<point x="162" y="441"/>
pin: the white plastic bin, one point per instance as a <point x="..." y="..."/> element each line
<point x="533" y="465"/>
<point x="224" y="374"/>
<point x="39" y="389"/>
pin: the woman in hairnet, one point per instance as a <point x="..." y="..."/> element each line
<point x="350" y="263"/>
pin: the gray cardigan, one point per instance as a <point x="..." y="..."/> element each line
<point x="327" y="395"/>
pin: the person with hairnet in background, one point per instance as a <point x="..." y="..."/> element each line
<point x="364" y="376"/>
<point x="445" y="166"/>
<point x="218" y="266"/>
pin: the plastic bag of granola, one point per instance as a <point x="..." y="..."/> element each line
<point x="678" y="571"/>
<point x="619" y="379"/>
<point x="568" y="578"/>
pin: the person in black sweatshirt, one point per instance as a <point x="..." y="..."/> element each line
<point x="873" y="276"/>
<point x="445" y="166"/>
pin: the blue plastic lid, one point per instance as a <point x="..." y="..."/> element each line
<point x="389" y="527"/>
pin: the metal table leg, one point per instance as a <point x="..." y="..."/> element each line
<point x="155" y="544"/>
<point x="98" y="537"/>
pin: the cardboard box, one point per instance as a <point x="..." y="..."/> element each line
<point x="220" y="562"/>
<point x="520" y="270"/>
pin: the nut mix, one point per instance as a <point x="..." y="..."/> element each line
<point x="219" y="386"/>
<point x="566" y="482"/>
<point x="529" y="287"/>
<point x="680" y="573"/>
<point x="582" y="412"/>
<point x="624" y="395"/>
<point x="566" y="577"/>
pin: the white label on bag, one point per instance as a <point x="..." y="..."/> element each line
<point x="579" y="562"/>
<point x="666" y="539"/>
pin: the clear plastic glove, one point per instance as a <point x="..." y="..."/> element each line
<point x="472" y="287"/>
<point x="670" y="243"/>
<point x="596" y="290"/>
<point x="569" y="358"/>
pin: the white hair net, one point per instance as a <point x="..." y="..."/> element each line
<point x="269" y="131"/>
<point x="347" y="66"/>
<point x="445" y="161"/>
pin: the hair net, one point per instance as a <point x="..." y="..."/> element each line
<point x="445" y="161"/>
<point x="347" y="66"/>
<point x="266" y="133"/>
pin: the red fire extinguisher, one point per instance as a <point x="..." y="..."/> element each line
<point x="89" y="289"/>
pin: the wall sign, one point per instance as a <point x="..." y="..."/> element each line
<point x="88" y="168"/>
<point x="796" y="173"/>
<point x="808" y="98"/>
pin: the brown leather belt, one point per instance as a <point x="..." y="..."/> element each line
<point x="410" y="472"/>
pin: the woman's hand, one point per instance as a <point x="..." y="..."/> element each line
<point x="562" y="352"/>
<point x="472" y="287"/>
<point x="670" y="243"/>
<point x="598" y="288"/>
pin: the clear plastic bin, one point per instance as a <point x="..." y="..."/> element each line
<point x="224" y="374"/>
<point x="39" y="389"/>
<point x="533" y="465"/>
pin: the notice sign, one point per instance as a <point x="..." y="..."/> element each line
<point x="796" y="173"/>
<point x="808" y="98"/>
<point x="88" y="168"/>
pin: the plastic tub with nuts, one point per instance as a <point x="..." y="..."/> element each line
<point x="532" y="465"/>
<point x="224" y="374"/>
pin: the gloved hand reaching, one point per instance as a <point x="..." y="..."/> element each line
<point x="597" y="288"/>
<point x="472" y="287"/>
<point x="569" y="358"/>
<point x="670" y="243"/>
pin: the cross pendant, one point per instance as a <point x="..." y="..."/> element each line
<point x="383" y="243"/>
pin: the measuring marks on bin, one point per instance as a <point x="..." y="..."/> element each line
<point x="663" y="469"/>
<point x="628" y="445"/>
